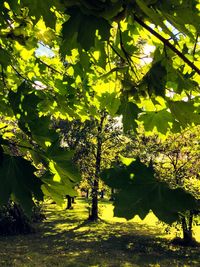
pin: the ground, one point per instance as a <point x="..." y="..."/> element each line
<point x="65" y="238"/>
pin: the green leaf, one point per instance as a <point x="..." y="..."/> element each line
<point x="110" y="102"/>
<point x="155" y="17"/>
<point x="157" y="119"/>
<point x="5" y="58"/>
<point x="155" y="79"/>
<point x="56" y="190"/>
<point x="25" y="106"/>
<point x="63" y="164"/>
<point x="138" y="192"/>
<point x="24" y="102"/>
<point x="130" y="112"/>
<point x="5" y="108"/>
<point x="184" y="112"/>
<point x="84" y="27"/>
<point x="40" y="9"/>
<point x="100" y="46"/>
<point x="41" y="132"/>
<point x="70" y="27"/>
<point x="17" y="177"/>
<point x="84" y="61"/>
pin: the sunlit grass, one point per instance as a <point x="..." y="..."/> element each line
<point x="66" y="238"/>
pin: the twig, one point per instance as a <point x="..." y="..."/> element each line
<point x="115" y="51"/>
<point x="50" y="67"/>
<point x="127" y="56"/>
<point x="25" y="78"/>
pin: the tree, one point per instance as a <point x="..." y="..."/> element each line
<point x="95" y="48"/>
<point x="96" y="144"/>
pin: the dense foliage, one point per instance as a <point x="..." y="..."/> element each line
<point x="70" y="59"/>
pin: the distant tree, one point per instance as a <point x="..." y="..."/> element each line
<point x="96" y="144"/>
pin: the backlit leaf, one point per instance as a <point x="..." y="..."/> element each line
<point x="130" y="112"/>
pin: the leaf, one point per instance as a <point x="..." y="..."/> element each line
<point x="40" y="9"/>
<point x="138" y="192"/>
<point x="5" y="108"/>
<point x="56" y="190"/>
<point x="87" y="31"/>
<point x="157" y="119"/>
<point x="24" y="102"/>
<point x="84" y="27"/>
<point x="84" y="61"/>
<point x="184" y="112"/>
<point x="70" y="27"/>
<point x="41" y="132"/>
<point x="63" y="164"/>
<point x="130" y="112"/>
<point x="5" y="58"/>
<point x="155" y="17"/>
<point x="25" y="106"/>
<point x="155" y="79"/>
<point x="109" y="102"/>
<point x="17" y="177"/>
<point x="100" y="46"/>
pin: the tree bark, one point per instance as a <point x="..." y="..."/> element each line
<point x="94" y="210"/>
<point x="112" y="194"/>
<point x="69" y="202"/>
<point x="187" y="230"/>
<point x="102" y="194"/>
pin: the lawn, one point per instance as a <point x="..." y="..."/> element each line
<point x="66" y="238"/>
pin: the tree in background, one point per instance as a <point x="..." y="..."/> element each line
<point x="96" y="145"/>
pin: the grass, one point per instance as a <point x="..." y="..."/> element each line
<point x="67" y="239"/>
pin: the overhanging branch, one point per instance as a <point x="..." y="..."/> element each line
<point x="168" y="44"/>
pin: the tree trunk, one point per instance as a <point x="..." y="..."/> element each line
<point x="69" y="202"/>
<point x="94" y="211"/>
<point x="73" y="200"/>
<point x="93" y="216"/>
<point x="187" y="230"/>
<point x="102" y="194"/>
<point x="112" y="194"/>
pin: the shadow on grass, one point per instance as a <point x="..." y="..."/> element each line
<point x="67" y="239"/>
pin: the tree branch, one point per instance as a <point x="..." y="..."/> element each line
<point x="168" y="44"/>
<point x="26" y="79"/>
<point x="50" y="67"/>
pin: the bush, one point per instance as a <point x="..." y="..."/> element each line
<point x="13" y="221"/>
